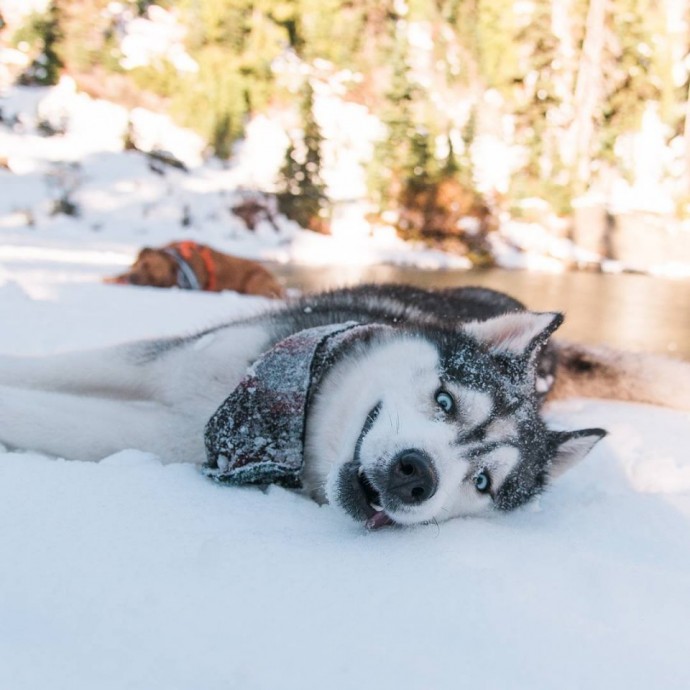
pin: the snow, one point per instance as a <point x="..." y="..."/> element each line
<point x="127" y="573"/>
<point x="122" y="200"/>
<point x="15" y="9"/>
<point x="123" y="203"/>
<point x="152" y="39"/>
<point x="130" y="573"/>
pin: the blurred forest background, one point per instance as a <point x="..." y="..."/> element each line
<point x="573" y="113"/>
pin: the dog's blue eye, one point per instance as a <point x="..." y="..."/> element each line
<point x="445" y="401"/>
<point x="482" y="482"/>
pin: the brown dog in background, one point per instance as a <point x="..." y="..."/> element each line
<point x="194" y="266"/>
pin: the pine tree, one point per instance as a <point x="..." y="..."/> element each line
<point x="421" y="168"/>
<point x="46" y="67"/>
<point x="496" y="44"/>
<point x="222" y="136"/>
<point x="538" y="99"/>
<point x="391" y="165"/>
<point x="301" y="190"/>
<point x="619" y="72"/>
<point x="234" y="43"/>
<point x="451" y="164"/>
<point x="88" y="39"/>
<point x="129" y="141"/>
<point x="630" y="82"/>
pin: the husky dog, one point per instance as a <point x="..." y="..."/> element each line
<point x="429" y="412"/>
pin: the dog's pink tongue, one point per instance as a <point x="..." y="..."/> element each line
<point x="377" y="520"/>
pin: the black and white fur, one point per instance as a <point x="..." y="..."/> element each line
<point x="437" y="418"/>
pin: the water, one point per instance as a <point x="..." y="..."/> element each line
<point x="633" y="312"/>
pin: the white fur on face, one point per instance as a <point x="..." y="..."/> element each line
<point x="462" y="498"/>
<point x="474" y="407"/>
<point x="349" y="393"/>
<point x="402" y="376"/>
<point x="501" y="429"/>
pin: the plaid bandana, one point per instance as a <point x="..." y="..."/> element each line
<point x="257" y="435"/>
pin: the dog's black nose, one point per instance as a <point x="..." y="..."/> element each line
<point x="412" y="478"/>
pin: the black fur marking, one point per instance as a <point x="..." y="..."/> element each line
<point x="476" y="435"/>
<point x="580" y="365"/>
<point x="528" y="478"/>
<point x="486" y="449"/>
<point x="366" y="428"/>
<point x="399" y="305"/>
<point x="148" y="352"/>
<point x="351" y="495"/>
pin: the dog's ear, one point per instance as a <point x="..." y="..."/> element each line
<point x="571" y="447"/>
<point x="518" y="333"/>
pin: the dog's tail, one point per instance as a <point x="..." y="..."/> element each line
<point x="600" y="372"/>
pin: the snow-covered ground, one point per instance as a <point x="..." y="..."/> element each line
<point x="131" y="574"/>
<point x="123" y="204"/>
<point x="125" y="200"/>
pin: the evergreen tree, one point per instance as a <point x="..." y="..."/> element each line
<point x="289" y="15"/>
<point x="352" y="34"/>
<point x="46" y="67"/>
<point x="537" y="95"/>
<point x="630" y="80"/>
<point x="496" y="44"/>
<point x="88" y="40"/>
<point x="469" y="132"/>
<point x="234" y="43"/>
<point x="391" y="162"/>
<point x="421" y="168"/>
<point x="222" y="136"/>
<point x="129" y="142"/>
<point x="142" y="6"/>
<point x="573" y="76"/>
<point x="538" y="100"/>
<point x="301" y="190"/>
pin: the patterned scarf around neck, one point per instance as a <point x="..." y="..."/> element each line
<point x="257" y="435"/>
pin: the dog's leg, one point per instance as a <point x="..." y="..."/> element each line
<point x="90" y="428"/>
<point x="165" y="369"/>
<point x="112" y="372"/>
<point x="152" y="395"/>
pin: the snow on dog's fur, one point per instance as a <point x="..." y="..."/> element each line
<point x="436" y="416"/>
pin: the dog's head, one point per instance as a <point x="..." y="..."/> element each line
<point x="152" y="267"/>
<point x="430" y="425"/>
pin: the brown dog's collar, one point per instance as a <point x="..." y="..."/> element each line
<point x="186" y="251"/>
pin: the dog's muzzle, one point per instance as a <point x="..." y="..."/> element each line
<point x="411" y="478"/>
<point x="370" y="494"/>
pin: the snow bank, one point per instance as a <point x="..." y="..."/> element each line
<point x="122" y="200"/>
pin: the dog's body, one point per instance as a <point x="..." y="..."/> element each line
<point x="193" y="266"/>
<point x="437" y="415"/>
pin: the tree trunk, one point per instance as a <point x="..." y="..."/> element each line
<point x="588" y="92"/>
<point x="686" y="135"/>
